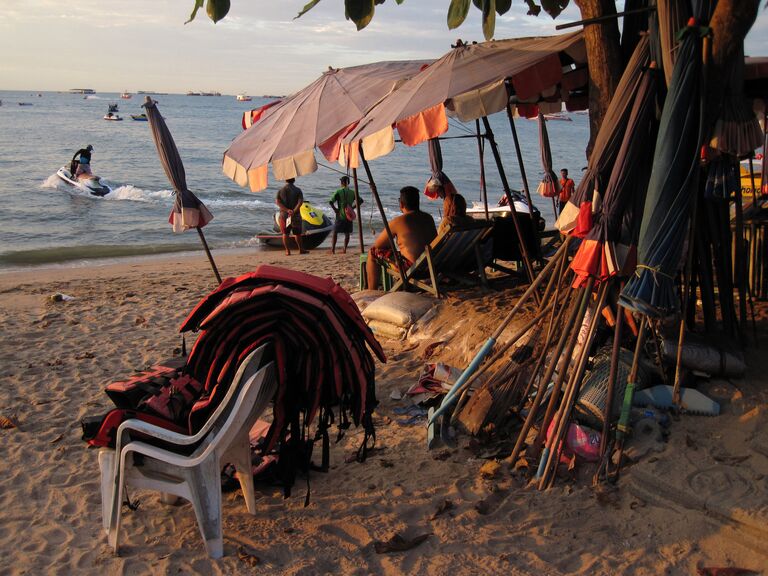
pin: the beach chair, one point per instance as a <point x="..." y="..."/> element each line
<point x="454" y="254"/>
<point x="194" y="476"/>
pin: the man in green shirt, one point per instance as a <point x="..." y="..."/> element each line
<point x="343" y="204"/>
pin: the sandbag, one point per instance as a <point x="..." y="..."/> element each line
<point x="387" y="330"/>
<point x="398" y="308"/>
<point x="364" y="298"/>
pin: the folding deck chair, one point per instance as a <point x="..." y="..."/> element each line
<point x="454" y="254"/>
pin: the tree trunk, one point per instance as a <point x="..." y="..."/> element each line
<point x="604" y="60"/>
<point x="730" y="23"/>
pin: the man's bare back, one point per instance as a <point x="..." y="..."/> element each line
<point x="413" y="231"/>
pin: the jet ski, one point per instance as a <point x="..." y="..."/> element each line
<point x="502" y="209"/>
<point x="86" y="182"/>
<point x="314" y="224"/>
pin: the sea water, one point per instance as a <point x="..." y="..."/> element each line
<point x="45" y="221"/>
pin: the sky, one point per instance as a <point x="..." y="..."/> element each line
<point x="259" y="49"/>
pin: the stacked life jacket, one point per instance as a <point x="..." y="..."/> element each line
<point x="318" y="340"/>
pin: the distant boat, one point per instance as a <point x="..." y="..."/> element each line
<point x="113" y="108"/>
<point x="113" y="117"/>
<point x="243" y="98"/>
<point x="562" y="117"/>
<point x="126" y="95"/>
<point x="25" y="103"/>
<point x="139" y="117"/>
<point x="81" y="91"/>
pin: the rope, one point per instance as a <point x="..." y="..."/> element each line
<point x="654" y="271"/>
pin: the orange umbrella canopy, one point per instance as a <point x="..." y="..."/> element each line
<point x="319" y="115"/>
<point x="469" y="82"/>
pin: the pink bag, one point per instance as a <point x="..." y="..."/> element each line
<point x="349" y="212"/>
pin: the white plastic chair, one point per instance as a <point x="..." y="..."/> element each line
<point x="195" y="477"/>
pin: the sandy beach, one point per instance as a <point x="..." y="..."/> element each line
<point x="695" y="500"/>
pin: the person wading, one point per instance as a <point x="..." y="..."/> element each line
<point x="289" y="200"/>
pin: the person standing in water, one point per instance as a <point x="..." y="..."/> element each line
<point x="289" y="200"/>
<point x="343" y="204"/>
<point x="567" y="187"/>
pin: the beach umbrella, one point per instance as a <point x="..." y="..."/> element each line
<point x="550" y="181"/>
<point x="576" y="216"/>
<point x="472" y="74"/>
<point x="286" y="134"/>
<point x="438" y="185"/>
<point x="672" y="187"/>
<point x="188" y="211"/>
<point x="610" y="247"/>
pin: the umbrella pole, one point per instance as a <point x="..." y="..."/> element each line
<point x="392" y="246"/>
<point x="526" y="189"/>
<point x="208" y="253"/>
<point x="511" y="202"/>
<point x="359" y="215"/>
<point x="483" y="187"/>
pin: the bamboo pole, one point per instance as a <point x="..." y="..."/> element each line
<point x="578" y="307"/>
<point x="518" y="152"/>
<point x="359" y="213"/>
<point x="208" y="253"/>
<point x="480" y="152"/>
<point x="555" y="445"/>
<point x="486" y="348"/>
<point x="511" y="202"/>
<point x="608" y="410"/>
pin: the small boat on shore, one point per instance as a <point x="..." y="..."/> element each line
<point x="315" y="228"/>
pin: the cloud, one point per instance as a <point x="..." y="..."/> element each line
<point x="259" y="47"/>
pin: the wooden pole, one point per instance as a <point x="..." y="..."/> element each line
<point x="518" y="152"/>
<point x="511" y="202"/>
<point x="392" y="245"/>
<point x="483" y="187"/>
<point x="359" y="214"/>
<point x="208" y="253"/>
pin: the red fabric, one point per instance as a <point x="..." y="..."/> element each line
<point x="583" y="221"/>
<point x="252" y="116"/>
<point x="534" y="80"/>
<point x="331" y="148"/>
<point x="386" y="255"/>
<point x="527" y="110"/>
<point x="422" y="126"/>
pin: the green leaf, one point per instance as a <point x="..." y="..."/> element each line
<point x="359" y="11"/>
<point x="399" y="1"/>
<point x="198" y="5"/>
<point x="217" y="9"/>
<point x="307" y="7"/>
<point x="503" y="6"/>
<point x="489" y="18"/>
<point x="554" y="7"/>
<point x="457" y="13"/>
<point x="533" y="8"/>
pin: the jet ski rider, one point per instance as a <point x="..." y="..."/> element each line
<point x="81" y="165"/>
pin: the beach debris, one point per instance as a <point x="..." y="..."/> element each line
<point x="57" y="439"/>
<point x="490" y="469"/>
<point x="140" y="320"/>
<point x="247" y="556"/>
<point x="444" y="507"/>
<point x="396" y="394"/>
<point x="399" y="543"/>
<point x="6" y="423"/>
<point x="59" y="297"/>
<point x="432" y="348"/>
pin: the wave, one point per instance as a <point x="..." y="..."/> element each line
<point x="59" y="254"/>
<point x="130" y="192"/>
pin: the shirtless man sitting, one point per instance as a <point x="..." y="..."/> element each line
<point x="413" y="230"/>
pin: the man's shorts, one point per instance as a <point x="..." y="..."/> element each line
<point x="295" y="225"/>
<point x="342" y="225"/>
<point x="385" y="254"/>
